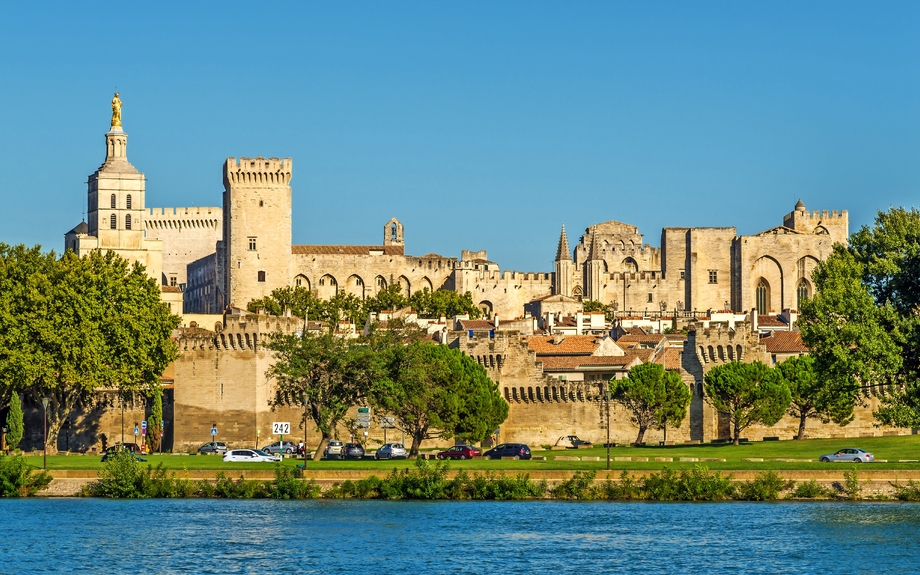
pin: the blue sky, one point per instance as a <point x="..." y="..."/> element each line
<point x="478" y="125"/>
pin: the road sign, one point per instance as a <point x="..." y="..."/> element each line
<point x="136" y="431"/>
<point x="143" y="425"/>
<point x="364" y="424"/>
<point x="213" y="431"/>
<point x="366" y="410"/>
<point x="281" y="428"/>
<point x="387" y="423"/>
<point x="143" y="431"/>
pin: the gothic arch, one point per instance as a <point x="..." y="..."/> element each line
<point x="355" y="286"/>
<point x="629" y="265"/>
<point x="405" y="286"/>
<point x="426" y="284"/>
<point x="380" y="283"/>
<point x="302" y="281"/>
<point x="767" y="270"/>
<point x="803" y="291"/>
<point x="486" y="307"/>
<point x="328" y="287"/>
<point x="762" y="296"/>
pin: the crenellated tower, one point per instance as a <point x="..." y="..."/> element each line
<point x="255" y="255"/>
<point x="595" y="271"/>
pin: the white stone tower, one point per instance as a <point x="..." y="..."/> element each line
<point x="255" y="256"/>
<point x="115" y="207"/>
<point x="562" y="281"/>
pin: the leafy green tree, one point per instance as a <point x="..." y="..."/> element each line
<point x="74" y="325"/>
<point x="444" y="302"/>
<point x="155" y="421"/>
<point x="300" y="301"/>
<point x="594" y="305"/>
<point x="435" y="391"/>
<point x="655" y="397"/>
<point x="390" y="298"/>
<point x="14" y="423"/>
<point x="748" y="393"/>
<point x="327" y="374"/>
<point x="814" y="396"/>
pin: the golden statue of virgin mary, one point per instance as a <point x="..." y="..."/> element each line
<point x="116" y="110"/>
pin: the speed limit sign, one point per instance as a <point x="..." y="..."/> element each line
<point x="281" y="428"/>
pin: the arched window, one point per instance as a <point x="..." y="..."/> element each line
<point x="113" y="222"/>
<point x="128" y="202"/>
<point x="801" y="293"/>
<point x="261" y="276"/>
<point x="761" y="297"/>
<point x="113" y="204"/>
<point x="128" y="221"/>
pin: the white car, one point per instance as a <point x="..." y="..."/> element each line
<point x="250" y="455"/>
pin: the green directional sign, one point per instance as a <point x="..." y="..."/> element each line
<point x="364" y="410"/>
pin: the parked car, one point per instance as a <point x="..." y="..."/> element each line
<point x="333" y="449"/>
<point x="213" y="447"/>
<point x="277" y="448"/>
<point x="391" y="451"/>
<point x="110" y="452"/>
<point x="853" y="454"/>
<point x="352" y="451"/>
<point x="250" y="455"/>
<point x="572" y="442"/>
<point x="515" y="450"/>
<point x="460" y="452"/>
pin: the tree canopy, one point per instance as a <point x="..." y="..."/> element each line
<point x="747" y="393"/>
<point x="70" y="326"/>
<point x="863" y="321"/>
<point x="813" y="396"/>
<point x="653" y="396"/>
<point x="303" y="303"/>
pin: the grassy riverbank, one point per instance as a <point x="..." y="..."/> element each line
<point x="775" y="455"/>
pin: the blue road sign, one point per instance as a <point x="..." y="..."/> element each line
<point x="213" y="431"/>
<point x="143" y="425"/>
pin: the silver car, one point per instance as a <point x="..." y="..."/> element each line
<point x="391" y="451"/>
<point x="853" y="454"/>
<point x="276" y="448"/>
<point x="333" y="449"/>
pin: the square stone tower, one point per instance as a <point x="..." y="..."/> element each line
<point x="255" y="255"/>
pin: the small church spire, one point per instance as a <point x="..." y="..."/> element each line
<point x="563" y="254"/>
<point x="593" y="253"/>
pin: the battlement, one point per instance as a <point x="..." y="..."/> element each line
<point x="257" y="171"/>
<point x="200" y="217"/>
<point x="237" y="333"/>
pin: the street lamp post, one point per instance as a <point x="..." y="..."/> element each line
<point x="607" y="408"/>
<point x="303" y="400"/>
<point x="122" y="396"/>
<point x="45" y="402"/>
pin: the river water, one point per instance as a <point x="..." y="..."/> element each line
<point x="379" y="537"/>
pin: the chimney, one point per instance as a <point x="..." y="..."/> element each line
<point x="496" y="321"/>
<point x="550" y="322"/>
<point x="579" y="322"/>
<point x="754" y="327"/>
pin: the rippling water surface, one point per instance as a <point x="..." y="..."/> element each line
<point x="376" y="538"/>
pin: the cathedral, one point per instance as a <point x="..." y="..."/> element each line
<point x="208" y="258"/>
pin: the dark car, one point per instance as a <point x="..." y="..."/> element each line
<point x="460" y="452"/>
<point x="132" y="447"/>
<point x="515" y="450"/>
<point x="352" y="451"/>
<point x="213" y="447"/>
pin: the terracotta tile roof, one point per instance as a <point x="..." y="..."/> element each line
<point x="636" y="330"/>
<point x="644" y="355"/>
<point x="770" y="321"/>
<point x="784" y="342"/>
<point x="170" y="289"/>
<point x="570" y="345"/>
<point x="574" y="363"/>
<point x="644" y="338"/>
<point x="676" y="336"/>
<point x="477" y="324"/>
<point x="672" y="358"/>
<point x="348" y="250"/>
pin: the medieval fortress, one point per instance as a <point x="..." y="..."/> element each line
<point x="212" y="261"/>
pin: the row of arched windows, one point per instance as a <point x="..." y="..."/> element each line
<point x="114" y="202"/>
<point x="554" y="394"/>
<point x="762" y="295"/>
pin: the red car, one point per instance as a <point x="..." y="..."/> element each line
<point x="460" y="452"/>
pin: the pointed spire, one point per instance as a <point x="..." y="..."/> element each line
<point x="593" y="252"/>
<point x="563" y="254"/>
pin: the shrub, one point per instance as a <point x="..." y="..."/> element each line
<point x="765" y="487"/>
<point x="694" y="485"/>
<point x="626" y="488"/>
<point x="121" y="477"/>
<point x="239" y="489"/>
<point x="491" y="485"/>
<point x="580" y="486"/>
<point x="14" y="422"/>
<point x="851" y="485"/>
<point x="909" y="492"/>
<point x="288" y="484"/>
<point x="19" y="479"/>
<point x="811" y="490"/>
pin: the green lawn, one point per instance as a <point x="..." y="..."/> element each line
<point x="890" y="448"/>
